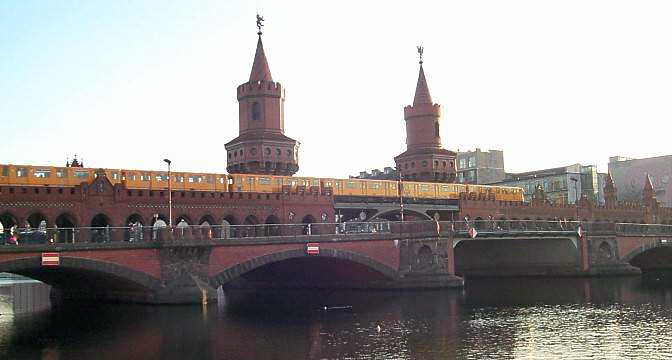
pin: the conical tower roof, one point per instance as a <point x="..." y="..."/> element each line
<point x="648" y="186"/>
<point x="422" y="95"/>
<point x="260" y="70"/>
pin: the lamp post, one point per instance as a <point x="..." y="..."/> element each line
<point x="170" y="197"/>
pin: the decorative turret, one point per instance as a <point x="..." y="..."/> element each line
<point x="610" y="199"/>
<point x="649" y="194"/>
<point x="424" y="158"/>
<point x="261" y="147"/>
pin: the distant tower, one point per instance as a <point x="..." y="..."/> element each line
<point x="649" y="194"/>
<point x="261" y="146"/>
<point x="424" y="159"/>
<point x="610" y="198"/>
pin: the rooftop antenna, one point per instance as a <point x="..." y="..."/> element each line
<point x="420" y="51"/>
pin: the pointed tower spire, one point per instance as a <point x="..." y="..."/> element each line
<point x="648" y="194"/>
<point x="422" y="95"/>
<point x="260" y="70"/>
<point x="610" y="198"/>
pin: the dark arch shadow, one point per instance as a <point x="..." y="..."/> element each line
<point x="61" y="276"/>
<point x="236" y="271"/>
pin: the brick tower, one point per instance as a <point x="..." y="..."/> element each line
<point x="610" y="199"/>
<point x="424" y="159"/>
<point x="261" y="146"/>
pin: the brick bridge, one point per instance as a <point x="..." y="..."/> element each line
<point x="155" y="265"/>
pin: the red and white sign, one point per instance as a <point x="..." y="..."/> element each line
<point x="51" y="259"/>
<point x="472" y="232"/>
<point x="313" y="249"/>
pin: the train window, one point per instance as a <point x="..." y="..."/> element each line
<point x="115" y="175"/>
<point x="5" y="171"/>
<point x="179" y="178"/>
<point x="393" y="186"/>
<point x="315" y="182"/>
<point x="41" y="173"/>
<point x="21" y="172"/>
<point x="264" y="181"/>
<point x="424" y="187"/>
<point x="350" y="185"/>
<point x="81" y="174"/>
<point x="145" y="177"/>
<point x="445" y="188"/>
<point x="375" y="185"/>
<point x="278" y="181"/>
<point x="195" y="179"/>
<point x="161" y="177"/>
<point x="222" y="180"/>
<point x="131" y="176"/>
<point x="250" y="180"/>
<point x="327" y="184"/>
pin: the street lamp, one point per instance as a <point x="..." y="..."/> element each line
<point x="170" y="196"/>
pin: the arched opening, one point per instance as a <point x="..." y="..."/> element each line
<point x="205" y="226"/>
<point x="228" y="230"/>
<point x="66" y="225"/>
<point x="604" y="251"/>
<point x="8" y="220"/>
<point x="308" y="220"/>
<point x="425" y="258"/>
<point x="100" y="228"/>
<point x="34" y="221"/>
<point x="134" y="225"/>
<point x="271" y="228"/>
<point x="251" y="229"/>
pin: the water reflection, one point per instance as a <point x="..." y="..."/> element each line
<point x="496" y="318"/>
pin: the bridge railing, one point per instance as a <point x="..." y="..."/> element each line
<point x="137" y="233"/>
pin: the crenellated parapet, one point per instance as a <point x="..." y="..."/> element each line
<point x="260" y="88"/>
<point x="422" y="110"/>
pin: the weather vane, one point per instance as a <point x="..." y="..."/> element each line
<point x="259" y="24"/>
<point x="420" y="51"/>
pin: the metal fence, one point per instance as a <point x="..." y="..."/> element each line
<point x="345" y="230"/>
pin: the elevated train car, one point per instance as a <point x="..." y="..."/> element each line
<point x="27" y="175"/>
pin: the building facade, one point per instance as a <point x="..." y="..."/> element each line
<point x="480" y="167"/>
<point x="629" y="177"/>
<point x="562" y="185"/>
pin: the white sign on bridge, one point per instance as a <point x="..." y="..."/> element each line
<point x="51" y="259"/>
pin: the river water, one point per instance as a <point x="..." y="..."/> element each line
<point x="607" y="318"/>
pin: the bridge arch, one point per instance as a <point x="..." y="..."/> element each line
<point x="83" y="274"/>
<point x="387" y="215"/>
<point x="653" y="256"/>
<point x="236" y="271"/>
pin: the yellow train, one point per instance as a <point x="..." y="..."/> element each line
<point x="51" y="176"/>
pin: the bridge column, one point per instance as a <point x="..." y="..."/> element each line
<point x="428" y="263"/>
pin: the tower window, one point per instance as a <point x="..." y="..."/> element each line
<point x="436" y="127"/>
<point x="256" y="111"/>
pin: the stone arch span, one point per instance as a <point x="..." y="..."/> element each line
<point x="231" y="273"/>
<point x="651" y="256"/>
<point x="83" y="275"/>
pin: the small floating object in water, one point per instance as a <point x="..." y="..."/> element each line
<point x="335" y="308"/>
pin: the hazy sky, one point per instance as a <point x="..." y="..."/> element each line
<point x="127" y="83"/>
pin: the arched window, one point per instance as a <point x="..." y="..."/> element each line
<point x="256" y="111"/>
<point x="436" y="126"/>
